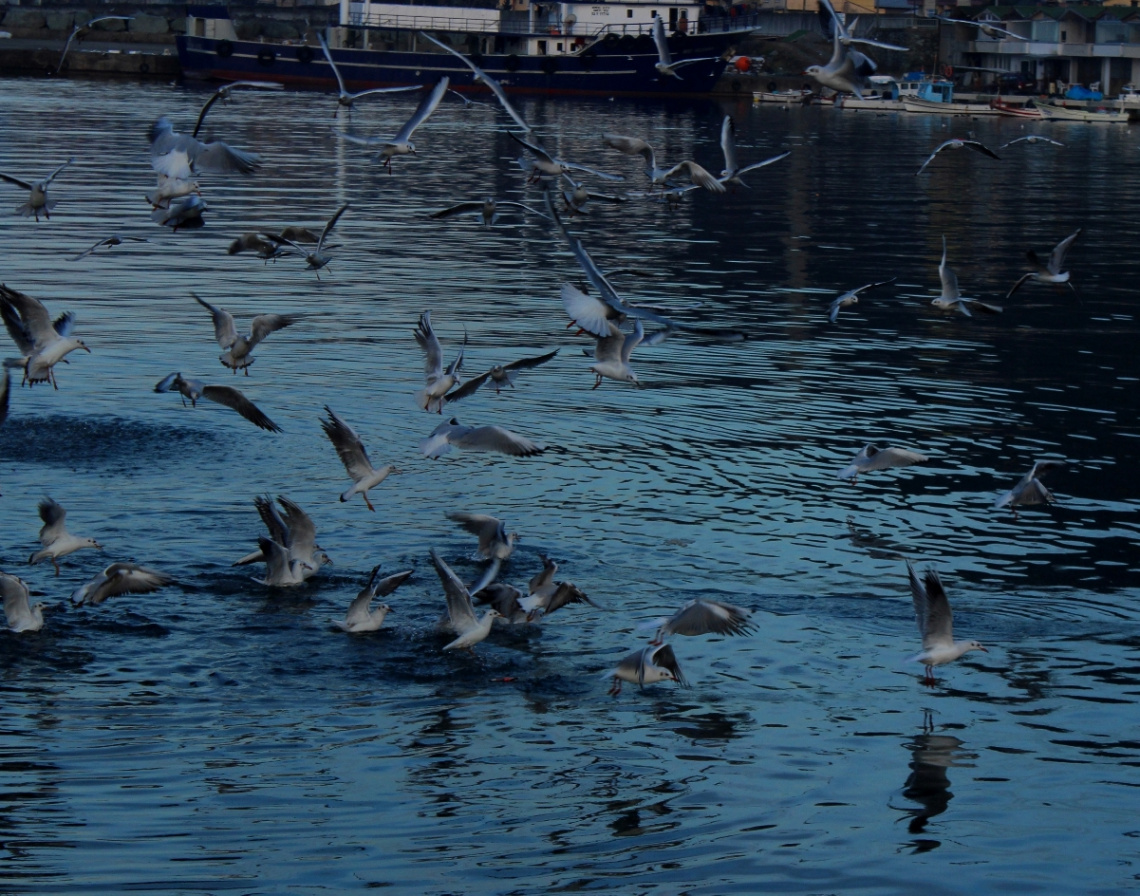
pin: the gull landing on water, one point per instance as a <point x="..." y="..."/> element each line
<point x="56" y="540"/>
<point x="1030" y="489"/>
<point x="612" y="353"/>
<point x="477" y="438"/>
<point x="120" y="578"/>
<point x="437" y="382"/>
<point x="704" y="617"/>
<point x="646" y="666"/>
<point x="315" y="259"/>
<point x="290" y="553"/>
<point x="21" y="615"/>
<point x="874" y="458"/>
<point x="495" y="543"/>
<point x="935" y="623"/>
<point x="360" y="617"/>
<point x="351" y="451"/>
<point x="461" y="620"/>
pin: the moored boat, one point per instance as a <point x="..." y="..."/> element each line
<point x="1071" y="113"/>
<point x="787" y="97"/>
<point x="938" y="96"/>
<point x="1015" y="110"/>
<point x="528" y="47"/>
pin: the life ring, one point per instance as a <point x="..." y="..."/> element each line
<point x="549" y="65"/>
<point x="224" y="49"/>
<point x="948" y="71"/>
<point x="144" y="67"/>
<point x="511" y="63"/>
<point x="588" y="58"/>
<point x="304" y="54"/>
<point x="610" y="38"/>
<point x="266" y="56"/>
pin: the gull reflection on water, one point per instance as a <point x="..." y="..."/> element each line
<point x="928" y="783"/>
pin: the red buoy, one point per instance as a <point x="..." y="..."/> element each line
<point x="743" y="63"/>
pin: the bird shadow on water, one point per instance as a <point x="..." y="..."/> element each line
<point x="103" y="442"/>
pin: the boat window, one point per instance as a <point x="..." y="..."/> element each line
<point x="629" y="13"/>
<point x="559" y="48"/>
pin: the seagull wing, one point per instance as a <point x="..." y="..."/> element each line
<point x="700" y="617"/>
<point x="661" y="42"/>
<point x="488" y="529"/>
<point x="34" y="317"/>
<point x="527" y="363"/>
<point x="768" y="161"/>
<point x="491" y="83"/>
<point x="5" y="395"/>
<point x="949" y="279"/>
<point x="495" y="438"/>
<point x="329" y="226"/>
<point x="47" y="180"/>
<point x="930" y="159"/>
<point x="931" y="609"/>
<point x="1057" y="256"/>
<point x="632" y="341"/>
<point x="468" y="389"/>
<point x="459" y="608"/>
<point x="458" y="210"/>
<point x="233" y="398"/>
<point x="1019" y="283"/>
<point x="426" y="107"/>
<point x="54" y="517"/>
<point x="348" y="446"/>
<point x="224" y="330"/>
<point x="980" y="147"/>
<point x="699" y="176"/>
<point x="264" y="324"/>
<point x="433" y="352"/>
<point x="664" y="657"/>
<point x="302" y="530"/>
<point x="332" y="65"/>
<point x="17" y="610"/>
<point x="15" y="180"/>
<point x="589" y="313"/>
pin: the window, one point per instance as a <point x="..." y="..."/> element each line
<point x="629" y="13"/>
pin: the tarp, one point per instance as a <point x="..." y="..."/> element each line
<point x="1077" y="92"/>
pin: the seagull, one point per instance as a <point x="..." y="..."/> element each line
<point x="986" y="28"/>
<point x="169" y="189"/>
<point x="488" y="209"/>
<point x="225" y="395"/>
<point x="506" y="601"/>
<point x="732" y="168"/>
<point x="183" y="211"/>
<point x="851" y="297"/>
<point x="482" y="77"/>
<point x="113" y="240"/>
<point x="355" y="459"/>
<point x="461" y="619"/>
<point x="56" y="540"/>
<point x="703" y="617"/>
<point x="665" y="65"/>
<point x="79" y="32"/>
<point x="21" y="615"/>
<point x="935" y="623"/>
<point x="477" y="438"/>
<point x="951" y="299"/>
<point x="315" y="259"/>
<point x="495" y="543"/>
<point x="258" y="243"/>
<point x="874" y="458"/>
<point x="502" y="376"/>
<point x="120" y="578"/>
<point x="546" y="595"/>
<point x="545" y="164"/>
<point x="290" y="553"/>
<point x="611" y="354"/>
<point x="238" y="348"/>
<point x="345" y="98"/>
<point x="659" y="177"/>
<point x="1030" y="489"/>
<point x="38" y="200"/>
<point x="402" y="143"/>
<point x="848" y="70"/>
<point x="1032" y="139"/>
<point x="182" y="156"/>
<point x="43" y="343"/>
<point x="360" y="618"/>
<point x="223" y="93"/>
<point x="438" y="382"/>
<point x="1050" y="272"/>
<point x="578" y="194"/>
<point x="958" y="143"/>
<point x="646" y="666"/>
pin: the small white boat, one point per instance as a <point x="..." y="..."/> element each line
<point x="787" y="97"/>
<point x="938" y="96"/>
<point x="1071" y="113"/>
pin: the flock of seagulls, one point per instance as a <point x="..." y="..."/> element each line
<point x="289" y="548"/>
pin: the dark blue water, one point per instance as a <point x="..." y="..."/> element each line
<point x="219" y="735"/>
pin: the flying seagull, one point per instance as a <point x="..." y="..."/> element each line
<point x="987" y="28"/>
<point x="225" y="395"/>
<point x="20" y="614"/>
<point x="344" y="98"/>
<point x="1031" y="139"/>
<point x="113" y="240"/>
<point x="958" y="143"/>
<point x="355" y="459"/>
<point x="477" y="438"/>
<point x="79" y="32"/>
<point x="487" y="208"/>
<point x="704" y="617"/>
<point x="851" y="297"/>
<point x="316" y="259"/>
<point x="223" y="93"/>
<point x="935" y="623"/>
<point x="495" y="543"/>
<point x="182" y="156"/>
<point x="437" y="381"/>
<point x="501" y="376"/>
<point x="659" y="176"/>
<point x="491" y="84"/>
<point x="1050" y="271"/>
<point x="402" y="143"/>
<point x="732" y="167"/>
<point x="38" y="200"/>
<point x="56" y="540"/>
<point x="237" y="355"/>
<point x="665" y="65"/>
<point x="951" y="298"/>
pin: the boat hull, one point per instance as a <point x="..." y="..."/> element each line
<point x="621" y="67"/>
<point x="1061" y="113"/>
<point x="1013" y="111"/>
<point x="919" y="105"/>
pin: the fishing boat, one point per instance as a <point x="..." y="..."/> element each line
<point x="938" y="96"/>
<point x="528" y="46"/>
<point x="1015" y="110"/>
<point x="787" y="97"/>
<point x="1083" y="113"/>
